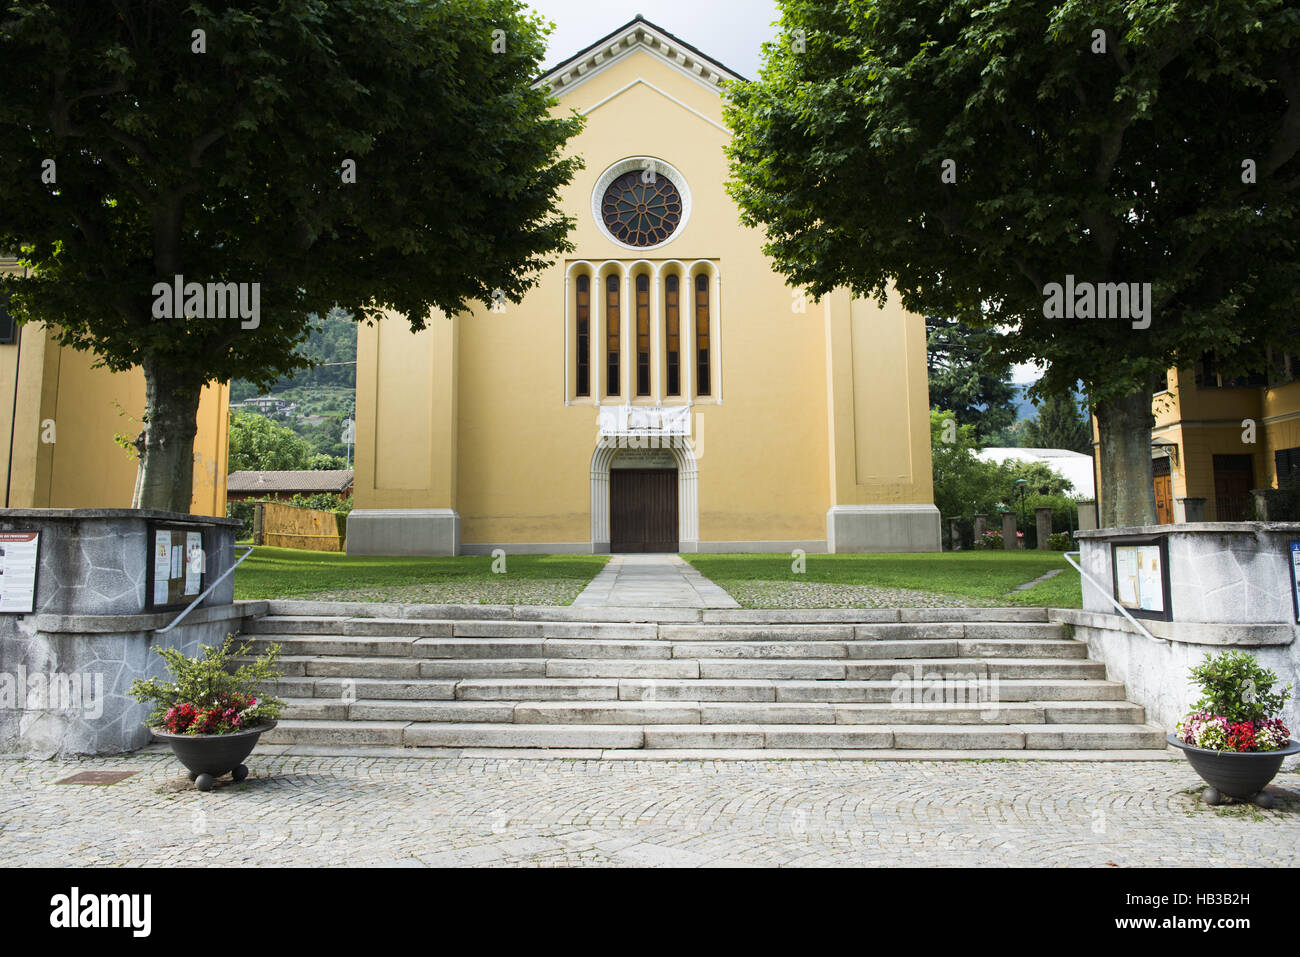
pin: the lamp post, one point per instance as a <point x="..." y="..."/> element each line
<point x="1020" y="487"/>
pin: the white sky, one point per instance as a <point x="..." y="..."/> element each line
<point x="730" y="31"/>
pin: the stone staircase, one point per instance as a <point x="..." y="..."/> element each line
<point x="915" y="688"/>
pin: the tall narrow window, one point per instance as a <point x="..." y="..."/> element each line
<point x="612" y="320"/>
<point x="584" y="335"/>
<point x="702" y="335"/>
<point x="673" y="325"/>
<point x="642" y="335"/>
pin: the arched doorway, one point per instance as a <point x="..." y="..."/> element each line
<point x="644" y="499"/>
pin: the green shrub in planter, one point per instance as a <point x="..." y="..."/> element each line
<point x="1059" y="542"/>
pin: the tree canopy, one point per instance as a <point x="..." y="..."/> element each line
<point x="969" y="157"/>
<point x="1059" y="425"/>
<point x="969" y="379"/>
<point x="366" y="154"/>
<point x="257" y="444"/>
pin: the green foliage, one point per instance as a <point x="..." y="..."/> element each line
<point x="209" y="679"/>
<point x="325" y="501"/>
<point x="1115" y="167"/>
<point x="990" y="539"/>
<point x="1234" y="684"/>
<point x="227" y="166"/>
<point x="320" y="462"/>
<point x="1059" y="425"/>
<point x="965" y="485"/>
<point x="260" y="445"/>
<point x="1060" y="542"/>
<point x="243" y="511"/>
<point x="1063" y="167"/>
<point x="962" y="482"/>
<point x="967" y="379"/>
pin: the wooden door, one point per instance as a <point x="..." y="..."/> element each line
<point x="1164" y="489"/>
<point x="1233" y="478"/>
<point x="643" y="510"/>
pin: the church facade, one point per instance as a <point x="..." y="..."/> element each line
<point x="660" y="389"/>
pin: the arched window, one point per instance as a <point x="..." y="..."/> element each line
<point x="612" y="320"/>
<point x="673" y="327"/>
<point x="584" y="335"/>
<point x="702" y="335"/>
<point x="642" y="335"/>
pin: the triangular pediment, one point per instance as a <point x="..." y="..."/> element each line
<point x="638" y="35"/>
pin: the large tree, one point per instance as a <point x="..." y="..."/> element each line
<point x="1059" y="425"/>
<point x="366" y="154"/>
<point x="260" y="445"/>
<point x="969" y="379"/>
<point x="972" y="155"/>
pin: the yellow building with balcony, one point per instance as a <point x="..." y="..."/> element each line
<point x="1218" y="437"/>
<point x="661" y="389"/>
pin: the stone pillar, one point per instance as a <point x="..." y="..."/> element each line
<point x="1087" y="514"/>
<point x="1193" y="509"/>
<point x="259" y="524"/>
<point x="1043" y="520"/>
<point x="954" y="534"/>
<point x="981" y="526"/>
<point x="1009" y="540"/>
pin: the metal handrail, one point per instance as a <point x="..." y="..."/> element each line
<point x="1107" y="595"/>
<point x="204" y="594"/>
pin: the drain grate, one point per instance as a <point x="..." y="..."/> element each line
<point x="96" y="777"/>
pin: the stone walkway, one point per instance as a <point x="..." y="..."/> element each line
<point x="652" y="581"/>
<point x="358" y="811"/>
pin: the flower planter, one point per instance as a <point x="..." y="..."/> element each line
<point x="1237" y="774"/>
<point x="208" y="756"/>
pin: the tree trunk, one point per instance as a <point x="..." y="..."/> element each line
<point x="166" y="443"/>
<point x="1127" y="495"/>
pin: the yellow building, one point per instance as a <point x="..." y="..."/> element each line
<point x="1217" y="437"/>
<point x="59" y="450"/>
<point x="659" y="390"/>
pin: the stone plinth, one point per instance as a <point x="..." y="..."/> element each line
<point x="65" y="669"/>
<point x="883" y="528"/>
<point x="1230" y="587"/>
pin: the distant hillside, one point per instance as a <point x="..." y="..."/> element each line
<point x="333" y="340"/>
<point x="323" y="398"/>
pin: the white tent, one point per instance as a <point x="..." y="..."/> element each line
<point x="1071" y="465"/>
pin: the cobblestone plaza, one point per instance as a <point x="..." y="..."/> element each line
<point x="360" y="811"/>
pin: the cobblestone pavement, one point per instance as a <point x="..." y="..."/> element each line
<point x="507" y="591"/>
<point x="359" y="811"/>
<point x="784" y="594"/>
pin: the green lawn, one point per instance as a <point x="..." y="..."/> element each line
<point x="984" y="575"/>
<point x="294" y="573"/>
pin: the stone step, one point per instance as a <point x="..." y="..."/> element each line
<point x="707" y="712"/>
<point x="1063" y="692"/>
<point x="794" y="669"/>
<point x="594" y="649"/>
<point x="286" y="627"/>
<point x="683" y="736"/>
<point x="570" y="613"/>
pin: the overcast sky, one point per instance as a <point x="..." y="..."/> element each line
<point x="729" y="31"/>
